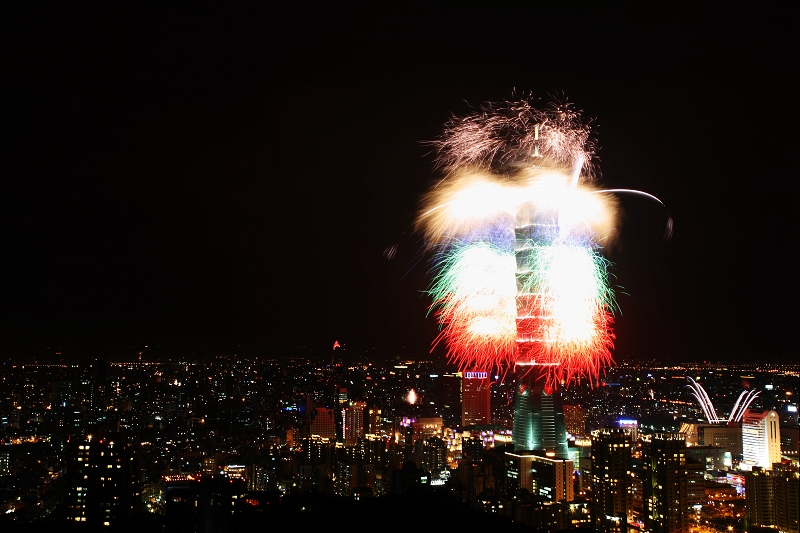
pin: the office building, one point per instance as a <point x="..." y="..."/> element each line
<point x="575" y="420"/>
<point x="353" y="423"/>
<point x="612" y="457"/>
<point x="665" y="498"/>
<point x="476" y="406"/>
<point x="761" y="439"/>
<point x="323" y="423"/>
<point x="544" y="477"/>
<point x="538" y="416"/>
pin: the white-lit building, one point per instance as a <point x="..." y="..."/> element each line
<point x="761" y="439"/>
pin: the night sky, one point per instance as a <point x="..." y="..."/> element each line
<point x="207" y="174"/>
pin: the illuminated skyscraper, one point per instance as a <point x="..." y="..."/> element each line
<point x="538" y="417"/>
<point x="476" y="405"/>
<point x="353" y="423"/>
<point x="575" y="420"/>
<point x="611" y="478"/>
<point x="761" y="439"/>
<point x="666" y="503"/>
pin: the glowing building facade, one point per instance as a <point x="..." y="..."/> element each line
<point x="761" y="439"/>
<point x="538" y="418"/>
<point x="476" y="407"/>
<point x="575" y="420"/>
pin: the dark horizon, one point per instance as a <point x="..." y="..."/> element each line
<point x="224" y="175"/>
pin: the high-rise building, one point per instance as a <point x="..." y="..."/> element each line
<point x="431" y="455"/>
<point x="761" y="439"/>
<point x="666" y="504"/>
<point x="575" y="420"/>
<point x="261" y="478"/>
<point x="538" y="413"/>
<point x="476" y="407"/>
<point x="538" y="416"/>
<point x="323" y="423"/>
<point x="612" y="457"/>
<point x="448" y="393"/>
<point x="773" y="498"/>
<point x="374" y="426"/>
<point x="101" y="488"/>
<point x="353" y="423"/>
<point x="341" y="397"/>
<point x="471" y="449"/>
<point x="786" y="489"/>
<point x="545" y="477"/>
<point x="760" y="509"/>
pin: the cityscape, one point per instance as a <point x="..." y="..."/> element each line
<point x="333" y="267"/>
<point x="203" y="444"/>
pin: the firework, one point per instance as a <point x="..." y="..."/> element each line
<point x="517" y="233"/>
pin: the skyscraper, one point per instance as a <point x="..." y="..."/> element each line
<point x="353" y="423"/>
<point x="575" y="420"/>
<point x="786" y="487"/>
<point x="666" y="506"/>
<point x="760" y="509"/>
<point x="761" y="439"/>
<point x="773" y="498"/>
<point x="612" y="457"/>
<point x="476" y="398"/>
<point x="101" y="488"/>
<point x="538" y="416"/>
<point x="544" y="477"/>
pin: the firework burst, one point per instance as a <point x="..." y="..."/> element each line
<point x="517" y="235"/>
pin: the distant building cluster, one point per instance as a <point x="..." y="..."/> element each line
<point x="196" y="444"/>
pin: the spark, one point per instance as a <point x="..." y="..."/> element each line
<point x="474" y="296"/>
<point x="517" y="234"/>
<point x="510" y="132"/>
<point x="411" y="397"/>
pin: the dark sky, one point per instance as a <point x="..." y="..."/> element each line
<point x="207" y="173"/>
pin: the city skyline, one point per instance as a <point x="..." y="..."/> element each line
<point x="115" y="444"/>
<point x="223" y="177"/>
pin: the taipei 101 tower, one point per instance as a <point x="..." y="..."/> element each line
<point x="519" y="281"/>
<point x="538" y="413"/>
